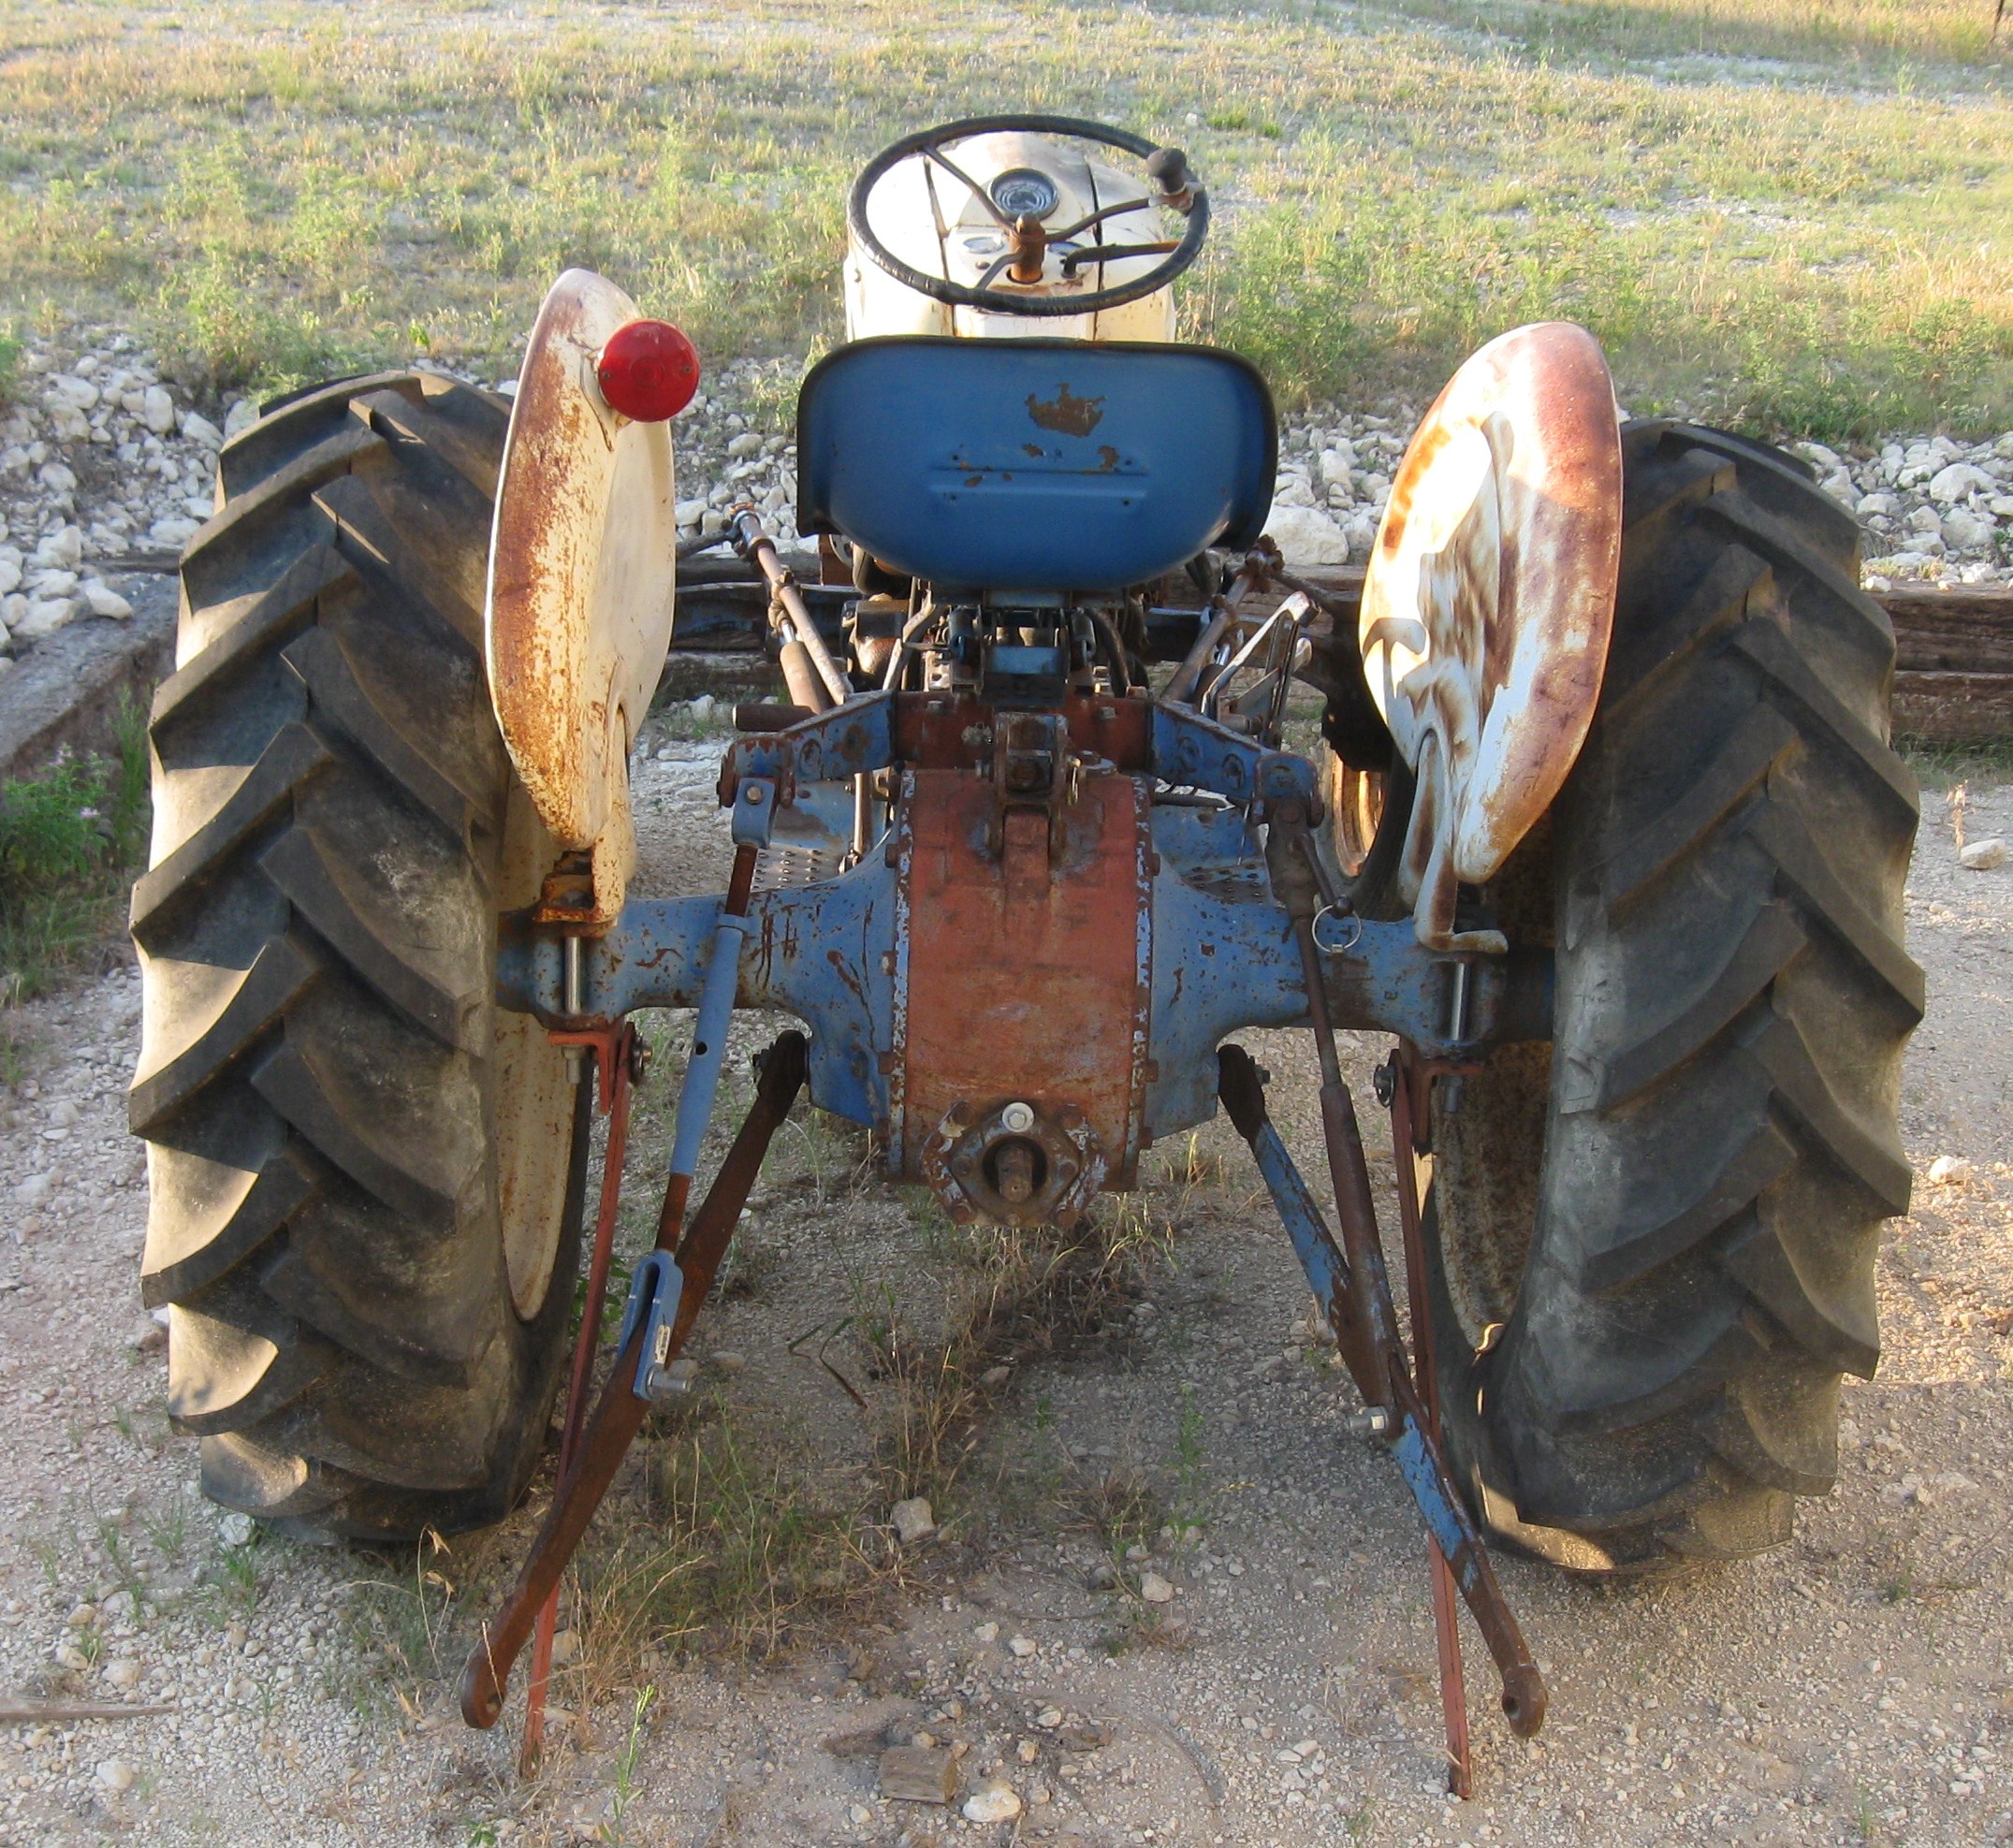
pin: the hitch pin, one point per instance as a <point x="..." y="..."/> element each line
<point x="573" y="996"/>
<point x="1457" y="1011"/>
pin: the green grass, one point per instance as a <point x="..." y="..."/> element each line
<point x="70" y="839"/>
<point x="1939" y="766"/>
<point x="1874" y="33"/>
<point x="1789" y="216"/>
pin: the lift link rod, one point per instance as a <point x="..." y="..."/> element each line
<point x="617" y="1067"/>
<point x="1371" y="1326"/>
<point x="802" y="645"/>
<point x="620" y="1414"/>
<point x="1410" y="1138"/>
<point x="1389" y="1390"/>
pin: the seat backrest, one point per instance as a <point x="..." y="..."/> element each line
<point x="1034" y="464"/>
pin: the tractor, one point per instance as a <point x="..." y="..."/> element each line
<point x="1604" y="831"/>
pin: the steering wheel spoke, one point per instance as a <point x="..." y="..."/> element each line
<point x="934" y="152"/>
<point x="1075" y="259"/>
<point x="1097" y="217"/>
<point x="1162" y="165"/>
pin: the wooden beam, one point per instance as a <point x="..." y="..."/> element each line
<point x="1953" y="656"/>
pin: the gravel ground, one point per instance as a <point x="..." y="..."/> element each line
<point x="1857" y="1687"/>
<point x="100" y="458"/>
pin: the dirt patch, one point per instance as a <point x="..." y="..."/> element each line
<point x="1852" y="1688"/>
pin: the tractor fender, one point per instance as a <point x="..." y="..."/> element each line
<point x="578" y="616"/>
<point x="1488" y="601"/>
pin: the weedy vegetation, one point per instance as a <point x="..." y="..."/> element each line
<point x="70" y="840"/>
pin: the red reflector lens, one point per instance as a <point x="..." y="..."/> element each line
<point x="649" y="371"/>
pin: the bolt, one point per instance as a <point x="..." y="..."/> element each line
<point x="1372" y="1421"/>
<point x="1018" y="1117"/>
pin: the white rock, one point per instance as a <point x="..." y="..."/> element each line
<point x="173" y="530"/>
<point x="45" y="616"/>
<point x="198" y="428"/>
<point x="688" y="512"/>
<point x="104" y="600"/>
<point x="1829" y="460"/>
<point x="1870" y="505"/>
<point x="61" y="548"/>
<point x="748" y="444"/>
<point x="913" y="1520"/>
<point x="1950" y="484"/>
<point x="234" y="1527"/>
<point x="58" y="477"/>
<point x="1982" y="856"/>
<point x="992" y="1802"/>
<point x="116" y="1775"/>
<point x="241" y="416"/>
<point x="157" y="410"/>
<point x="858" y="1814"/>
<point x="123" y="1672"/>
<point x="1023" y="1646"/>
<point x="1292" y="489"/>
<point x="988" y="1631"/>
<point x="53" y="584"/>
<point x="1307" y="536"/>
<point x="1154" y="1588"/>
<point x="71" y="392"/>
<point x="1950" y="1171"/>
<point x="1962" y="530"/>
<point x="9" y="576"/>
<point x="711" y="521"/>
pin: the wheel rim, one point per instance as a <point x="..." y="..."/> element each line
<point x="1358" y="797"/>
<point x="531" y="1101"/>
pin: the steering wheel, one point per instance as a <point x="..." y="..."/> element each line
<point x="1021" y="219"/>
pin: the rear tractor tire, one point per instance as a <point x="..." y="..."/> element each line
<point x="365" y="1178"/>
<point x="1640" y="1334"/>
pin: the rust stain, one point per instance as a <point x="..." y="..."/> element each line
<point x="1023" y="977"/>
<point x="1066" y="413"/>
<point x="1488" y="601"/>
<point x="1107" y="457"/>
<point x="1033" y="449"/>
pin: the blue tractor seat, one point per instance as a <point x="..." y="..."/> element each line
<point x="1051" y="465"/>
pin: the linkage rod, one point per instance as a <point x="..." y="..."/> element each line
<point x="1399" y="1417"/>
<point x="620" y="1413"/>
<point x="754" y="545"/>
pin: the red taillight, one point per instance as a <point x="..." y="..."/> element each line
<point x="649" y="371"/>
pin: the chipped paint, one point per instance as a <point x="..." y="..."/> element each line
<point x="1023" y="971"/>
<point x="580" y="597"/>
<point x="1066" y="413"/>
<point x="1488" y="601"/>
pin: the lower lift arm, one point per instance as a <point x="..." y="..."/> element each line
<point x="1356" y="1299"/>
